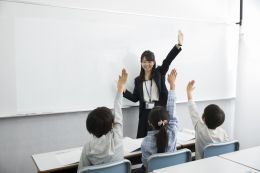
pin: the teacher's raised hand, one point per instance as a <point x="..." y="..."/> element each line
<point x="180" y="39"/>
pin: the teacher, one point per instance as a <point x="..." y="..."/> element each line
<point x="150" y="89"/>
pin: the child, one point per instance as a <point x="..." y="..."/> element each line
<point x="209" y="131"/>
<point x="164" y="123"/>
<point x="107" y="145"/>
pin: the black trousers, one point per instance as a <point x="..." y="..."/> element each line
<point x="141" y="170"/>
<point x="143" y="126"/>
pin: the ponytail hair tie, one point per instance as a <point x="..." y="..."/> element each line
<point x="164" y="122"/>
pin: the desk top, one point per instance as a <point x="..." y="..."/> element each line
<point x="46" y="162"/>
<point x="186" y="143"/>
<point x="249" y="157"/>
<point x="139" y="152"/>
<point x="213" y="165"/>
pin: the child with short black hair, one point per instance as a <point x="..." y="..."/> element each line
<point x="107" y="129"/>
<point x="99" y="121"/>
<point x="209" y="131"/>
<point x="164" y="124"/>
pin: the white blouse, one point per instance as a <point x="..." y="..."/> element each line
<point x="154" y="93"/>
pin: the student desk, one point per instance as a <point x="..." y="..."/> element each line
<point x="248" y="157"/>
<point x="213" y="165"/>
<point x="185" y="144"/>
<point x="47" y="162"/>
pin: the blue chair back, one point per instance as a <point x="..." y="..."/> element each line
<point x="216" y="149"/>
<point x="162" y="160"/>
<point x="123" y="166"/>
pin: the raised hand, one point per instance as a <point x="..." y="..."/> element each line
<point x="172" y="76"/>
<point x="122" y="81"/>
<point x="190" y="88"/>
<point x="180" y="37"/>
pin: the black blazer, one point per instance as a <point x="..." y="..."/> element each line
<point x="159" y="79"/>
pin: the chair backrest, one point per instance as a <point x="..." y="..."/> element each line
<point x="123" y="166"/>
<point x="216" y="149"/>
<point x="162" y="160"/>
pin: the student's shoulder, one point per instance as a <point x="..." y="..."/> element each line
<point x="201" y="126"/>
<point x="87" y="144"/>
<point x="146" y="139"/>
<point x="220" y="130"/>
<point x="86" y="148"/>
<point x="150" y="138"/>
<point x="222" y="134"/>
<point x="145" y="142"/>
<point x="114" y="134"/>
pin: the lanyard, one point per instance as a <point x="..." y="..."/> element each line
<point x="150" y="95"/>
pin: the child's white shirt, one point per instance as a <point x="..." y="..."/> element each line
<point x="204" y="135"/>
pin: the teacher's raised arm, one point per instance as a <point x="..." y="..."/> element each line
<point x="150" y="89"/>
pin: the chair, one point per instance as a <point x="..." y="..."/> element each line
<point x="123" y="166"/>
<point x="161" y="160"/>
<point x="216" y="149"/>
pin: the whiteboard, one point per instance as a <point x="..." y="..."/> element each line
<point x="62" y="59"/>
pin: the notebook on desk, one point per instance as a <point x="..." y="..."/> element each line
<point x="186" y="135"/>
<point x="69" y="157"/>
<point x="131" y="145"/>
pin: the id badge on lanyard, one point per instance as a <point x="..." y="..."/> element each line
<point x="150" y="104"/>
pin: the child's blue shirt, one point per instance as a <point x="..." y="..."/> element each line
<point x="148" y="146"/>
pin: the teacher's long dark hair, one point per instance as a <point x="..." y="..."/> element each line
<point x="149" y="56"/>
<point x="156" y="115"/>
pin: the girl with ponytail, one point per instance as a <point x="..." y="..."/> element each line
<point x="164" y="124"/>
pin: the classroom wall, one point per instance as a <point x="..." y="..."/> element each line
<point x="216" y="10"/>
<point x="51" y="63"/>
<point x="22" y="137"/>
<point x="247" y="115"/>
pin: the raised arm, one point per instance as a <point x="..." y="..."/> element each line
<point x="191" y="105"/>
<point x="172" y="54"/>
<point x="118" y="103"/>
<point x="171" y="103"/>
<point x="190" y="88"/>
<point x="133" y="97"/>
<point x="122" y="81"/>
<point x="128" y="95"/>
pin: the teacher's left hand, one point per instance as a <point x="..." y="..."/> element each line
<point x="180" y="37"/>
